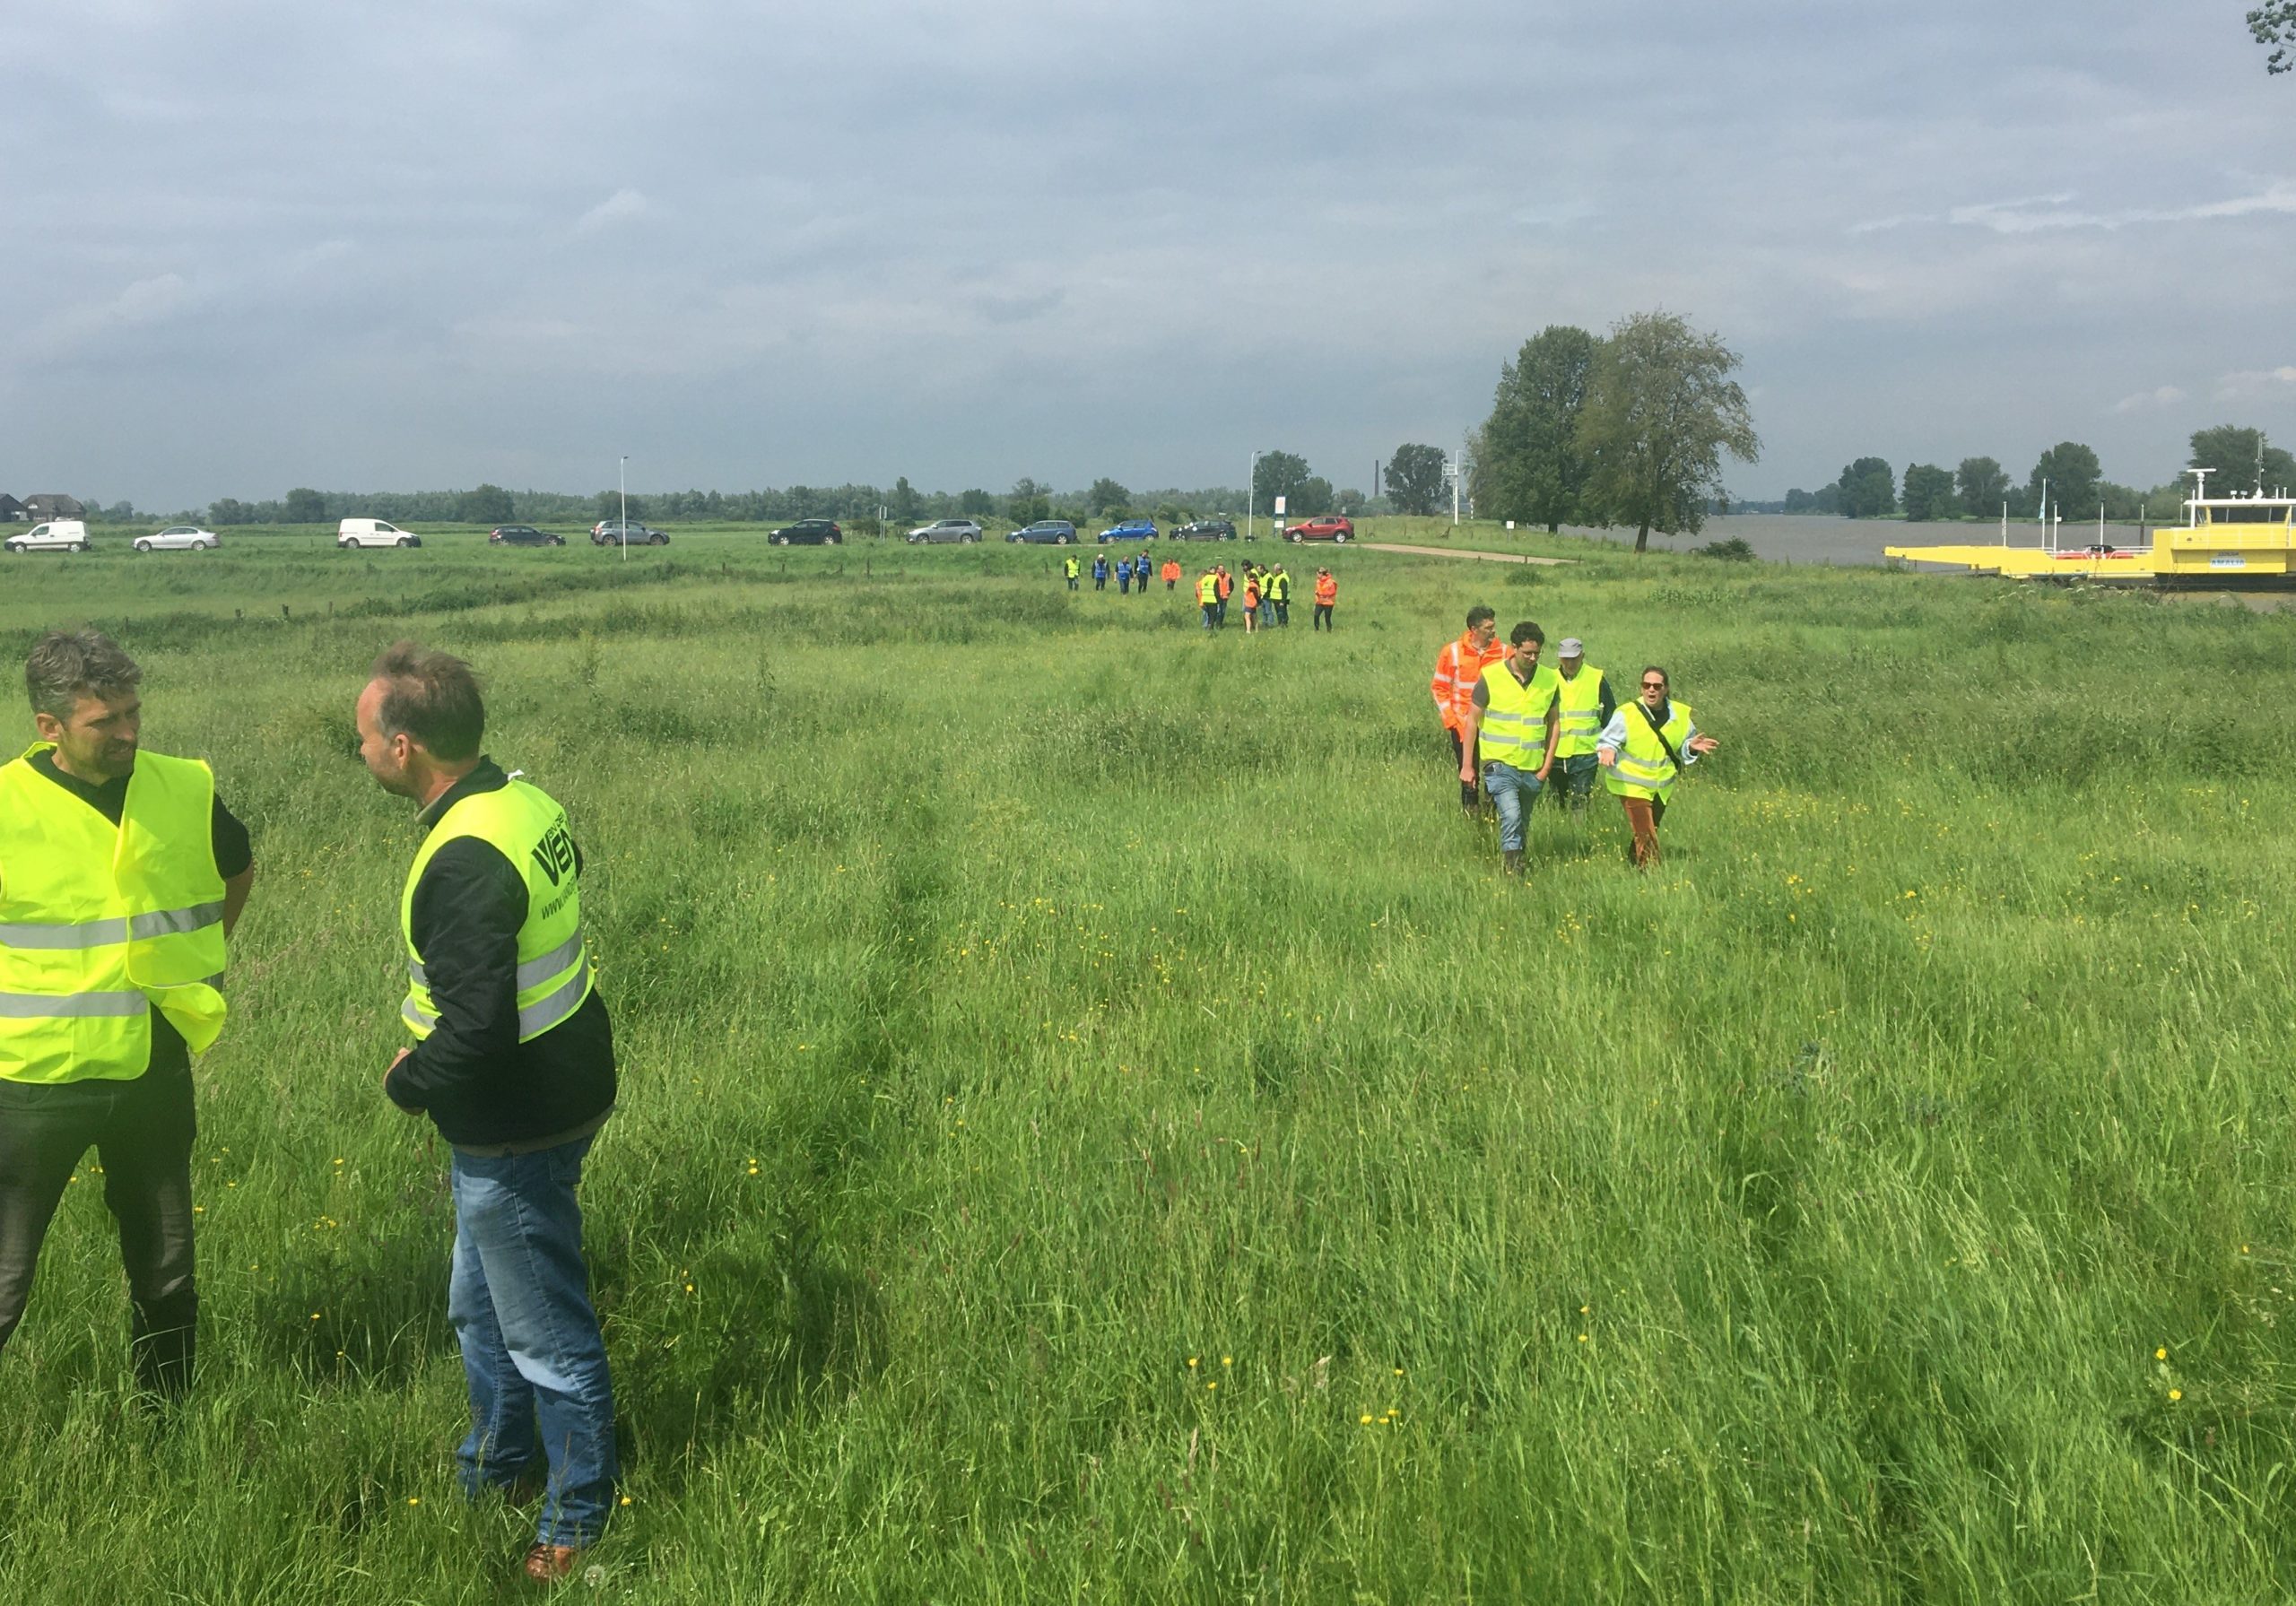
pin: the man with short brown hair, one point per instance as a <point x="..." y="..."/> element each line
<point x="513" y="1061"/>
<point x="121" y="876"/>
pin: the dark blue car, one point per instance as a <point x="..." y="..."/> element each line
<point x="1131" y="529"/>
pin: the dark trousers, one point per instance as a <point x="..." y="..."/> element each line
<point x="1322" y="619"/>
<point x="143" y="1132"/>
<point x="1470" y="792"/>
<point x="1283" y="610"/>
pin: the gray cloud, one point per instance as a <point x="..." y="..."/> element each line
<point x="425" y="243"/>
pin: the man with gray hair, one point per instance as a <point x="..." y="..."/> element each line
<point x="513" y="1061"/>
<point x="121" y="876"/>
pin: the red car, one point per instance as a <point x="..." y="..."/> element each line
<point x="1322" y="529"/>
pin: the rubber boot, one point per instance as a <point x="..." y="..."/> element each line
<point x="1511" y="861"/>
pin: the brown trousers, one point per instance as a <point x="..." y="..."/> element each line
<point x="1642" y="816"/>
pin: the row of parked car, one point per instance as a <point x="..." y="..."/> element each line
<point x="71" y="534"/>
<point x="1060" y="531"/>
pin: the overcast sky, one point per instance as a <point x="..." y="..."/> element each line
<point x="422" y="245"/>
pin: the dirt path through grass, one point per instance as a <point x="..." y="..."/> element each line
<point x="1445" y="552"/>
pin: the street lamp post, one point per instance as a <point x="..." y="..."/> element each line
<point x="1251" y="489"/>
<point x="625" y="507"/>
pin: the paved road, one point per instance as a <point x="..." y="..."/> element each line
<point x="1452" y="552"/>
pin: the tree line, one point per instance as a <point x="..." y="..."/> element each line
<point x="1628" y="430"/>
<point x="2237" y="458"/>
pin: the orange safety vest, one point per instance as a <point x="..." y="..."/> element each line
<point x="1227" y="585"/>
<point x="1251" y="595"/>
<point x="1327" y="593"/>
<point x="1458" y="667"/>
<point x="1171" y="569"/>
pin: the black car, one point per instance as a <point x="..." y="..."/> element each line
<point x="808" y="532"/>
<point x="1205" y="529"/>
<point x="523" y="535"/>
<point x="1046" y="531"/>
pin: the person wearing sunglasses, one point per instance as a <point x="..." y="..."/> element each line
<point x="1643" y="751"/>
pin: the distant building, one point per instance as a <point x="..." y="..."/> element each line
<point x="49" y="504"/>
<point x="10" y="508"/>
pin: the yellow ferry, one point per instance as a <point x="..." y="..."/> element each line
<point x="2223" y="537"/>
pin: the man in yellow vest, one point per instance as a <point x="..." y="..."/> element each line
<point x="1512" y="722"/>
<point x="1586" y="708"/>
<point x="1068" y="572"/>
<point x="513" y="1061"/>
<point x="121" y="874"/>
<point x="1207" y="597"/>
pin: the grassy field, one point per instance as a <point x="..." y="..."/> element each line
<point x="1096" y="1125"/>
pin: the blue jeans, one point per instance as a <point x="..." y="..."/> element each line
<point x="1514" y="791"/>
<point x="520" y="1304"/>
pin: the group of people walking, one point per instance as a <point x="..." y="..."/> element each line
<point x="1267" y="599"/>
<point x="122" y="877"/>
<point x="1520" y="729"/>
<point x="1267" y="591"/>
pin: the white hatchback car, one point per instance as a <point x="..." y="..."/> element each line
<point x="179" y="538"/>
<point x="57" y="535"/>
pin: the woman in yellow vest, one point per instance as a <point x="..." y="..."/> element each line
<point x="120" y="874"/>
<point x="1644" y="751"/>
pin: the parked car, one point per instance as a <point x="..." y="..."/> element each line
<point x="57" y="535"/>
<point x="1046" y="531"/>
<point x="808" y="532"/>
<point x="179" y="538"/>
<point x="1205" y="529"/>
<point x="944" y="530"/>
<point x="612" y="532"/>
<point x="1322" y="529"/>
<point x="523" y="535"/>
<point x="1131" y="529"/>
<point x="372" y="532"/>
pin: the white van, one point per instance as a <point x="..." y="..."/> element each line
<point x="57" y="535"/>
<point x="373" y="531"/>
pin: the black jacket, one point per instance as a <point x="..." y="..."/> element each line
<point x="472" y="1075"/>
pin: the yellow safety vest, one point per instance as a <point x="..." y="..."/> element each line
<point x="1644" y="770"/>
<point x="1207" y="591"/>
<point x="1279" y="588"/>
<point x="1582" y="707"/>
<point x="1512" y="730"/>
<point x="102" y="924"/>
<point x="1068" y="567"/>
<point x="555" y="973"/>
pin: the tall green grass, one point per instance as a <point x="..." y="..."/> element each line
<point x="1096" y="1124"/>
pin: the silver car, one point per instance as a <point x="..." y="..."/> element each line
<point x="179" y="538"/>
<point x="945" y="530"/>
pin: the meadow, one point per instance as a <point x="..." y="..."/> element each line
<point x="1096" y="1124"/>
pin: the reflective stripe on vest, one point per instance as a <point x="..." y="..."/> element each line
<point x="554" y="974"/>
<point x="1512" y="730"/>
<point x="1643" y="770"/>
<point x="1207" y="591"/>
<point x="102" y="924"/>
<point x="1582" y="707"/>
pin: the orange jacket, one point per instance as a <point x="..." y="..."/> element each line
<point x="1327" y="593"/>
<point x="1458" y="667"/>
<point x="1171" y="569"/>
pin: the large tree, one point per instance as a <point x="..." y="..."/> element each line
<point x="1661" y="412"/>
<point x="1106" y="497"/>
<point x="1415" y="479"/>
<point x="1314" y="496"/>
<point x="1929" y="492"/>
<point x="304" y="506"/>
<point x="2241" y="459"/>
<point x="1278" y="475"/>
<point x="485" y="505"/>
<point x="2073" y="476"/>
<point x="2274" y="23"/>
<point x="1868" y="489"/>
<point x="976" y="504"/>
<point x="1982" y="485"/>
<point x="906" y="508"/>
<point x="1532" y="465"/>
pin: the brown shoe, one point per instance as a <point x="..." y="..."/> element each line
<point x="551" y="1564"/>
